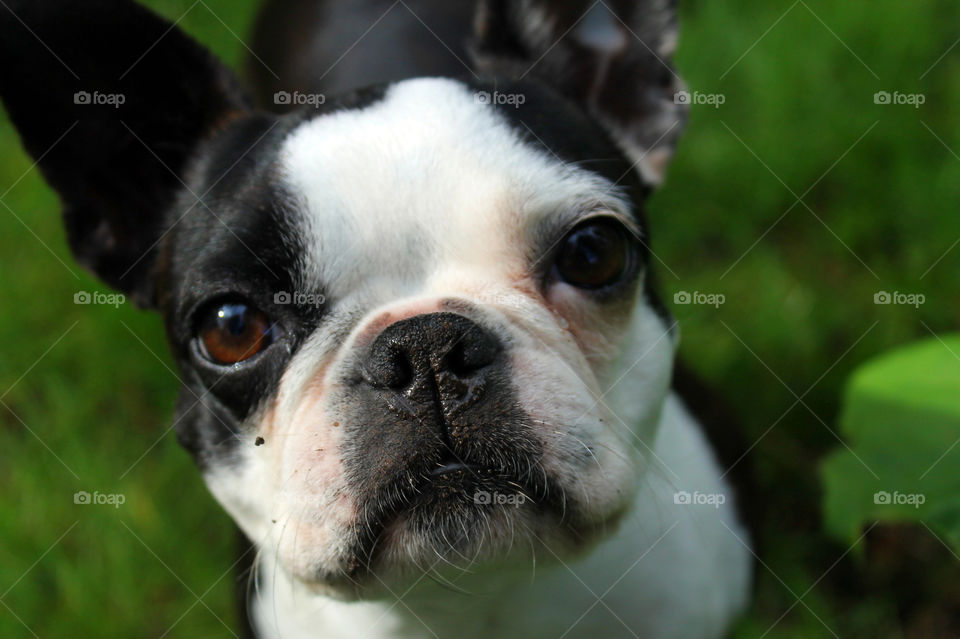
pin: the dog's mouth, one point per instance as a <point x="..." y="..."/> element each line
<point x="449" y="467"/>
<point x="452" y="512"/>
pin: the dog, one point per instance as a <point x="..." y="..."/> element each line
<point x="410" y="295"/>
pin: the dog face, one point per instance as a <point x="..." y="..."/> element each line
<point x="459" y="298"/>
<point x="396" y="317"/>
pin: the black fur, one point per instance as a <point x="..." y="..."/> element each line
<point x="241" y="241"/>
<point x="114" y="188"/>
<point x="303" y="42"/>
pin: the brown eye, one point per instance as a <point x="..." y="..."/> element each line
<point x="594" y="255"/>
<point x="234" y="332"/>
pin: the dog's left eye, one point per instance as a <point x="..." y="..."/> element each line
<point x="595" y="254"/>
<point x="234" y="332"/>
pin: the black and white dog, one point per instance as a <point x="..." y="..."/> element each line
<point x="423" y="364"/>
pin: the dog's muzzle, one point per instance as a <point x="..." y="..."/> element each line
<point x="432" y="420"/>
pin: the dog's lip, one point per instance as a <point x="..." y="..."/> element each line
<point x="452" y="482"/>
<point x="452" y="467"/>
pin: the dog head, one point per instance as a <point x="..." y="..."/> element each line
<point x="415" y="324"/>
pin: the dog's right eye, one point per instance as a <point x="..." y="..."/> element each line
<point x="233" y="332"/>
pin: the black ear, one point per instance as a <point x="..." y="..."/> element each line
<point x="113" y="102"/>
<point x="613" y="57"/>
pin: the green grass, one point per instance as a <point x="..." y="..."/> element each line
<point x="800" y="299"/>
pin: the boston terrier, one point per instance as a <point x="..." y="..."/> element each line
<point x="424" y="365"/>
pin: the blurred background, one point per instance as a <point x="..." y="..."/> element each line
<point x="820" y="169"/>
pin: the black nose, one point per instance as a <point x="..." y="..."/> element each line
<point x="439" y="353"/>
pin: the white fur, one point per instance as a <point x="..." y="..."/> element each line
<point x="428" y="177"/>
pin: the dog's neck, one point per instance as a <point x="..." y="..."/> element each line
<point x="670" y="570"/>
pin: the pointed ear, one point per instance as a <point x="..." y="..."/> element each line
<point x="112" y="101"/>
<point x="613" y="57"/>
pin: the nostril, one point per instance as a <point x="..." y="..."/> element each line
<point x="401" y="370"/>
<point x="391" y="369"/>
<point x="470" y="354"/>
<point x="455" y="361"/>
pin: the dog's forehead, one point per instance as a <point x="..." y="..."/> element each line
<point x="429" y="176"/>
